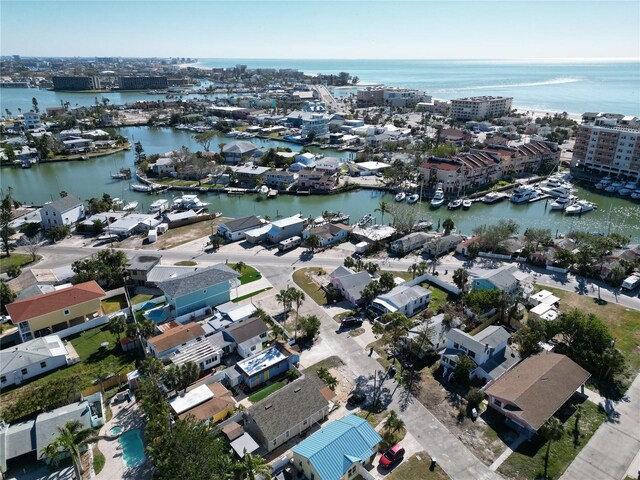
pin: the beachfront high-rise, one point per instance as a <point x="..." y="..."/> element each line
<point x="608" y="144"/>
<point x="480" y="108"/>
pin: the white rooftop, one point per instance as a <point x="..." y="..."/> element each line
<point x="261" y="361"/>
<point x="373" y="165"/>
<point x="193" y="398"/>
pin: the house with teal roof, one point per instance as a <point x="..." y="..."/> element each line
<point x="339" y="451"/>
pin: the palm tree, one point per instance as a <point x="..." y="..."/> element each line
<point x="239" y="266"/>
<point x="189" y="373"/>
<point x="383" y="208"/>
<point x="73" y="437"/>
<point x="151" y="366"/>
<point x="296" y="296"/>
<point x="422" y="267"/>
<point x="393" y="423"/>
<point x="551" y="431"/>
<point x="252" y="466"/>
<point x="460" y="278"/>
<point x="312" y="242"/>
<point x="284" y="297"/>
<point x="117" y="325"/>
<point x="413" y="269"/>
<point x="448" y="225"/>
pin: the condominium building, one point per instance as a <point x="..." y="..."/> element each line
<point x="480" y="108"/>
<point x="609" y="145"/>
<point x="143" y="83"/>
<point x="76" y="83"/>
<point x="464" y="171"/>
<point x="391" y="96"/>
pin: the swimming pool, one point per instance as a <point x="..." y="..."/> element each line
<point x="116" y="430"/>
<point x="132" y="448"/>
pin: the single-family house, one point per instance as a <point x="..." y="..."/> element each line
<point x="405" y="299"/>
<point x="316" y="180"/>
<point x="329" y="165"/>
<point x="488" y="349"/>
<point x="234" y="152"/>
<point x="32" y="359"/>
<point x="297" y="167"/>
<point x="267" y="364"/>
<point x="200" y="289"/>
<point x="139" y="267"/>
<point x="132" y="224"/>
<point x="436" y="339"/>
<point x="249" y="174"/>
<point x="209" y="403"/>
<point x="277" y="231"/>
<point x="161" y="273"/>
<point x="34" y="435"/>
<point x="55" y="311"/>
<point x="508" y="279"/>
<point x="350" y="284"/>
<point x="280" y="179"/>
<point x="364" y="169"/>
<point x="164" y="166"/>
<point x="206" y="352"/>
<point x="531" y="392"/>
<point x="463" y="247"/>
<point x="409" y="243"/>
<point x="168" y="342"/>
<point x="62" y="211"/>
<point x="78" y="145"/>
<point x="247" y="337"/>
<point x="235" y="229"/>
<point x="339" y="451"/>
<point x="441" y="245"/>
<point x="287" y="412"/>
<point x="328" y="233"/>
<point x="307" y="159"/>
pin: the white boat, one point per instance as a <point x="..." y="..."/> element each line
<point x="130" y="206"/>
<point x="581" y="206"/>
<point x="466" y="204"/>
<point x="159" y="206"/>
<point x="611" y="188"/>
<point x="523" y="194"/>
<point x="561" y="203"/>
<point x="603" y="183"/>
<point x="631" y="186"/>
<point x="438" y="198"/>
<point x="423" y="224"/>
<point x="400" y="196"/>
<point x="140" y="188"/>
<point x="116" y="202"/>
<point x="413" y="198"/>
<point x="187" y="202"/>
<point x="263" y="190"/>
<point x="557" y="192"/>
<point x="493" y="197"/>
<point x="454" y="204"/>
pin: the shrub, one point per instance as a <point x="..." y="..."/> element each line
<point x="475" y="397"/>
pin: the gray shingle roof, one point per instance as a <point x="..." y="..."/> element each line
<point x="65" y="203"/>
<point x="288" y="407"/>
<point x="355" y="284"/>
<point x="47" y="423"/>
<point x="242" y="223"/>
<point x="143" y="262"/>
<point x="246" y="330"/>
<point x="197" y="280"/>
<point x="240" y="147"/>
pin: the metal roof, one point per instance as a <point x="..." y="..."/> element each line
<point x="197" y="280"/>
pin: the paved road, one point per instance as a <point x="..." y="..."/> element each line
<point x="615" y="444"/>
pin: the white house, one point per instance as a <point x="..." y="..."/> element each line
<point x="307" y="159"/>
<point x="63" y="211"/>
<point x="132" y="224"/>
<point x="277" y="231"/>
<point x="370" y="168"/>
<point x="409" y="243"/>
<point x="33" y="358"/>
<point x="32" y="121"/>
<point x="488" y="349"/>
<point x="441" y="245"/>
<point x="438" y="330"/>
<point x="328" y="233"/>
<point x="404" y="299"/>
<point x="247" y="337"/>
<point x="508" y="279"/>
<point x="164" y="166"/>
<point x="349" y="283"/>
<point x="235" y="229"/>
<point x="329" y="165"/>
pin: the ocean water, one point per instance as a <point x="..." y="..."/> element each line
<point x="570" y="87"/>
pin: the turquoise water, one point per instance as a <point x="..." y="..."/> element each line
<point x="117" y="430"/>
<point x="132" y="448"/>
<point x="570" y="87"/>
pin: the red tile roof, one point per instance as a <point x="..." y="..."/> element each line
<point x="52" y="302"/>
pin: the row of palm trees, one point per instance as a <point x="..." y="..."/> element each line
<point x="288" y="297"/>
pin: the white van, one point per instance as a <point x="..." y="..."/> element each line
<point x="631" y="282"/>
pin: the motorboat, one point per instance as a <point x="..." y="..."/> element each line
<point x="561" y="203"/>
<point x="624" y="191"/>
<point x="116" y="202"/>
<point x="130" y="207"/>
<point x="493" y="197"/>
<point x="400" y="196"/>
<point x="123" y="174"/>
<point x="263" y="190"/>
<point x="159" y="206"/>
<point x="631" y="186"/>
<point x="636" y="194"/>
<point x="141" y="188"/>
<point x="438" y="198"/>
<point x="523" y="194"/>
<point x="187" y="202"/>
<point x="423" y="224"/>
<point x="466" y="204"/>
<point x="557" y="192"/>
<point x="454" y="204"/>
<point x="413" y="198"/>
<point x="581" y="206"/>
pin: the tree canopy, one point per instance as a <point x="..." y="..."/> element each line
<point x="105" y="267"/>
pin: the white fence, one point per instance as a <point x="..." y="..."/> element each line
<point x="155" y="301"/>
<point x="89" y="324"/>
<point x="435" y="280"/>
<point x="557" y="269"/>
<point x="495" y="256"/>
<point x="190" y="317"/>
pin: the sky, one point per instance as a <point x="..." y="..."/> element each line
<point x="509" y="30"/>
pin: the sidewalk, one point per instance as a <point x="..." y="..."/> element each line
<point x="614" y="446"/>
<point x="248" y="288"/>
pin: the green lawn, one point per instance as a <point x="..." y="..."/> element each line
<point x="623" y="323"/>
<point x="417" y="468"/>
<point x="439" y="296"/>
<point x="308" y="286"/>
<point x="265" y="392"/>
<point x="141" y="298"/>
<point x="249" y="295"/>
<point x="113" y="304"/>
<point x="527" y="461"/>
<point x="328" y="363"/>
<point x="16" y="259"/>
<point x="186" y="263"/>
<point x="98" y="460"/>
<point x="248" y="274"/>
<point x="374" y="418"/>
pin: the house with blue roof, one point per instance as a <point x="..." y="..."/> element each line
<point x="339" y="451"/>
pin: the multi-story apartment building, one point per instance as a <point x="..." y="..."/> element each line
<point x="480" y="108"/>
<point x="76" y="83"/>
<point x="525" y="158"/>
<point x="609" y="145"/>
<point x="143" y="83"/>
<point x="32" y="121"/>
<point x="390" y="96"/>
<point x="464" y="171"/>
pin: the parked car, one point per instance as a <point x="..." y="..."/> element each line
<point x="394" y="455"/>
<point x="356" y="399"/>
<point x="351" y="322"/>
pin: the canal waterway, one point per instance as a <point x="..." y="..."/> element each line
<point x="90" y="178"/>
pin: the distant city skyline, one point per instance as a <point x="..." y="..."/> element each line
<point x="413" y="30"/>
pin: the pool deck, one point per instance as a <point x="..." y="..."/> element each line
<point x="126" y="415"/>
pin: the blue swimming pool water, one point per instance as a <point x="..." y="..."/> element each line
<point x="148" y="305"/>
<point x="116" y="430"/>
<point x="132" y="448"/>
